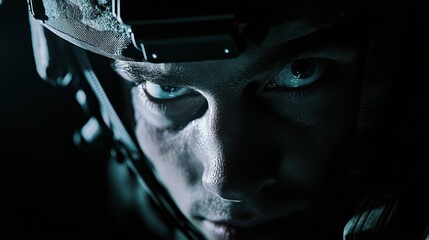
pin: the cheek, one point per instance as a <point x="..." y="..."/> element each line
<point x="162" y="150"/>
<point x="318" y="157"/>
<point x="310" y="157"/>
<point x="174" y="163"/>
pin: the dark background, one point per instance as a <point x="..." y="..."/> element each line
<point x="52" y="190"/>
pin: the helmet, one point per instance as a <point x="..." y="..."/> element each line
<point x="168" y="31"/>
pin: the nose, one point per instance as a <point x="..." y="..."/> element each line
<point x="239" y="157"/>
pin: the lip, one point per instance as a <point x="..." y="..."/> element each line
<point x="230" y="229"/>
<point x="220" y="231"/>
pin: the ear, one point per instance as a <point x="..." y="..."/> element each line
<point x="53" y="56"/>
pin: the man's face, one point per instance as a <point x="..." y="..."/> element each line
<point x="252" y="147"/>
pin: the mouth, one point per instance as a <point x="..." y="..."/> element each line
<point x="229" y="229"/>
<point x="220" y="231"/>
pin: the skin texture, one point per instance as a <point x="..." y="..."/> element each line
<point x="243" y="159"/>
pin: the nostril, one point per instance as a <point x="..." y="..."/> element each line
<point x="235" y="191"/>
<point x="219" y="186"/>
<point x="221" y="192"/>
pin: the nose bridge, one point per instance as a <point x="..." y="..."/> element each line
<point x="235" y="162"/>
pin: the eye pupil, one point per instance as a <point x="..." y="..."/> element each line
<point x="302" y="68"/>
<point x="169" y="89"/>
<point x="298" y="73"/>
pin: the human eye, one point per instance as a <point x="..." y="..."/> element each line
<point x="299" y="73"/>
<point x="164" y="92"/>
<point x="175" y="106"/>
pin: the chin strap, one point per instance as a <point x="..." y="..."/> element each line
<point x="372" y="218"/>
<point x="130" y="154"/>
<point x="393" y="216"/>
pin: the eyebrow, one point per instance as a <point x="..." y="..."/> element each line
<point x="139" y="72"/>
